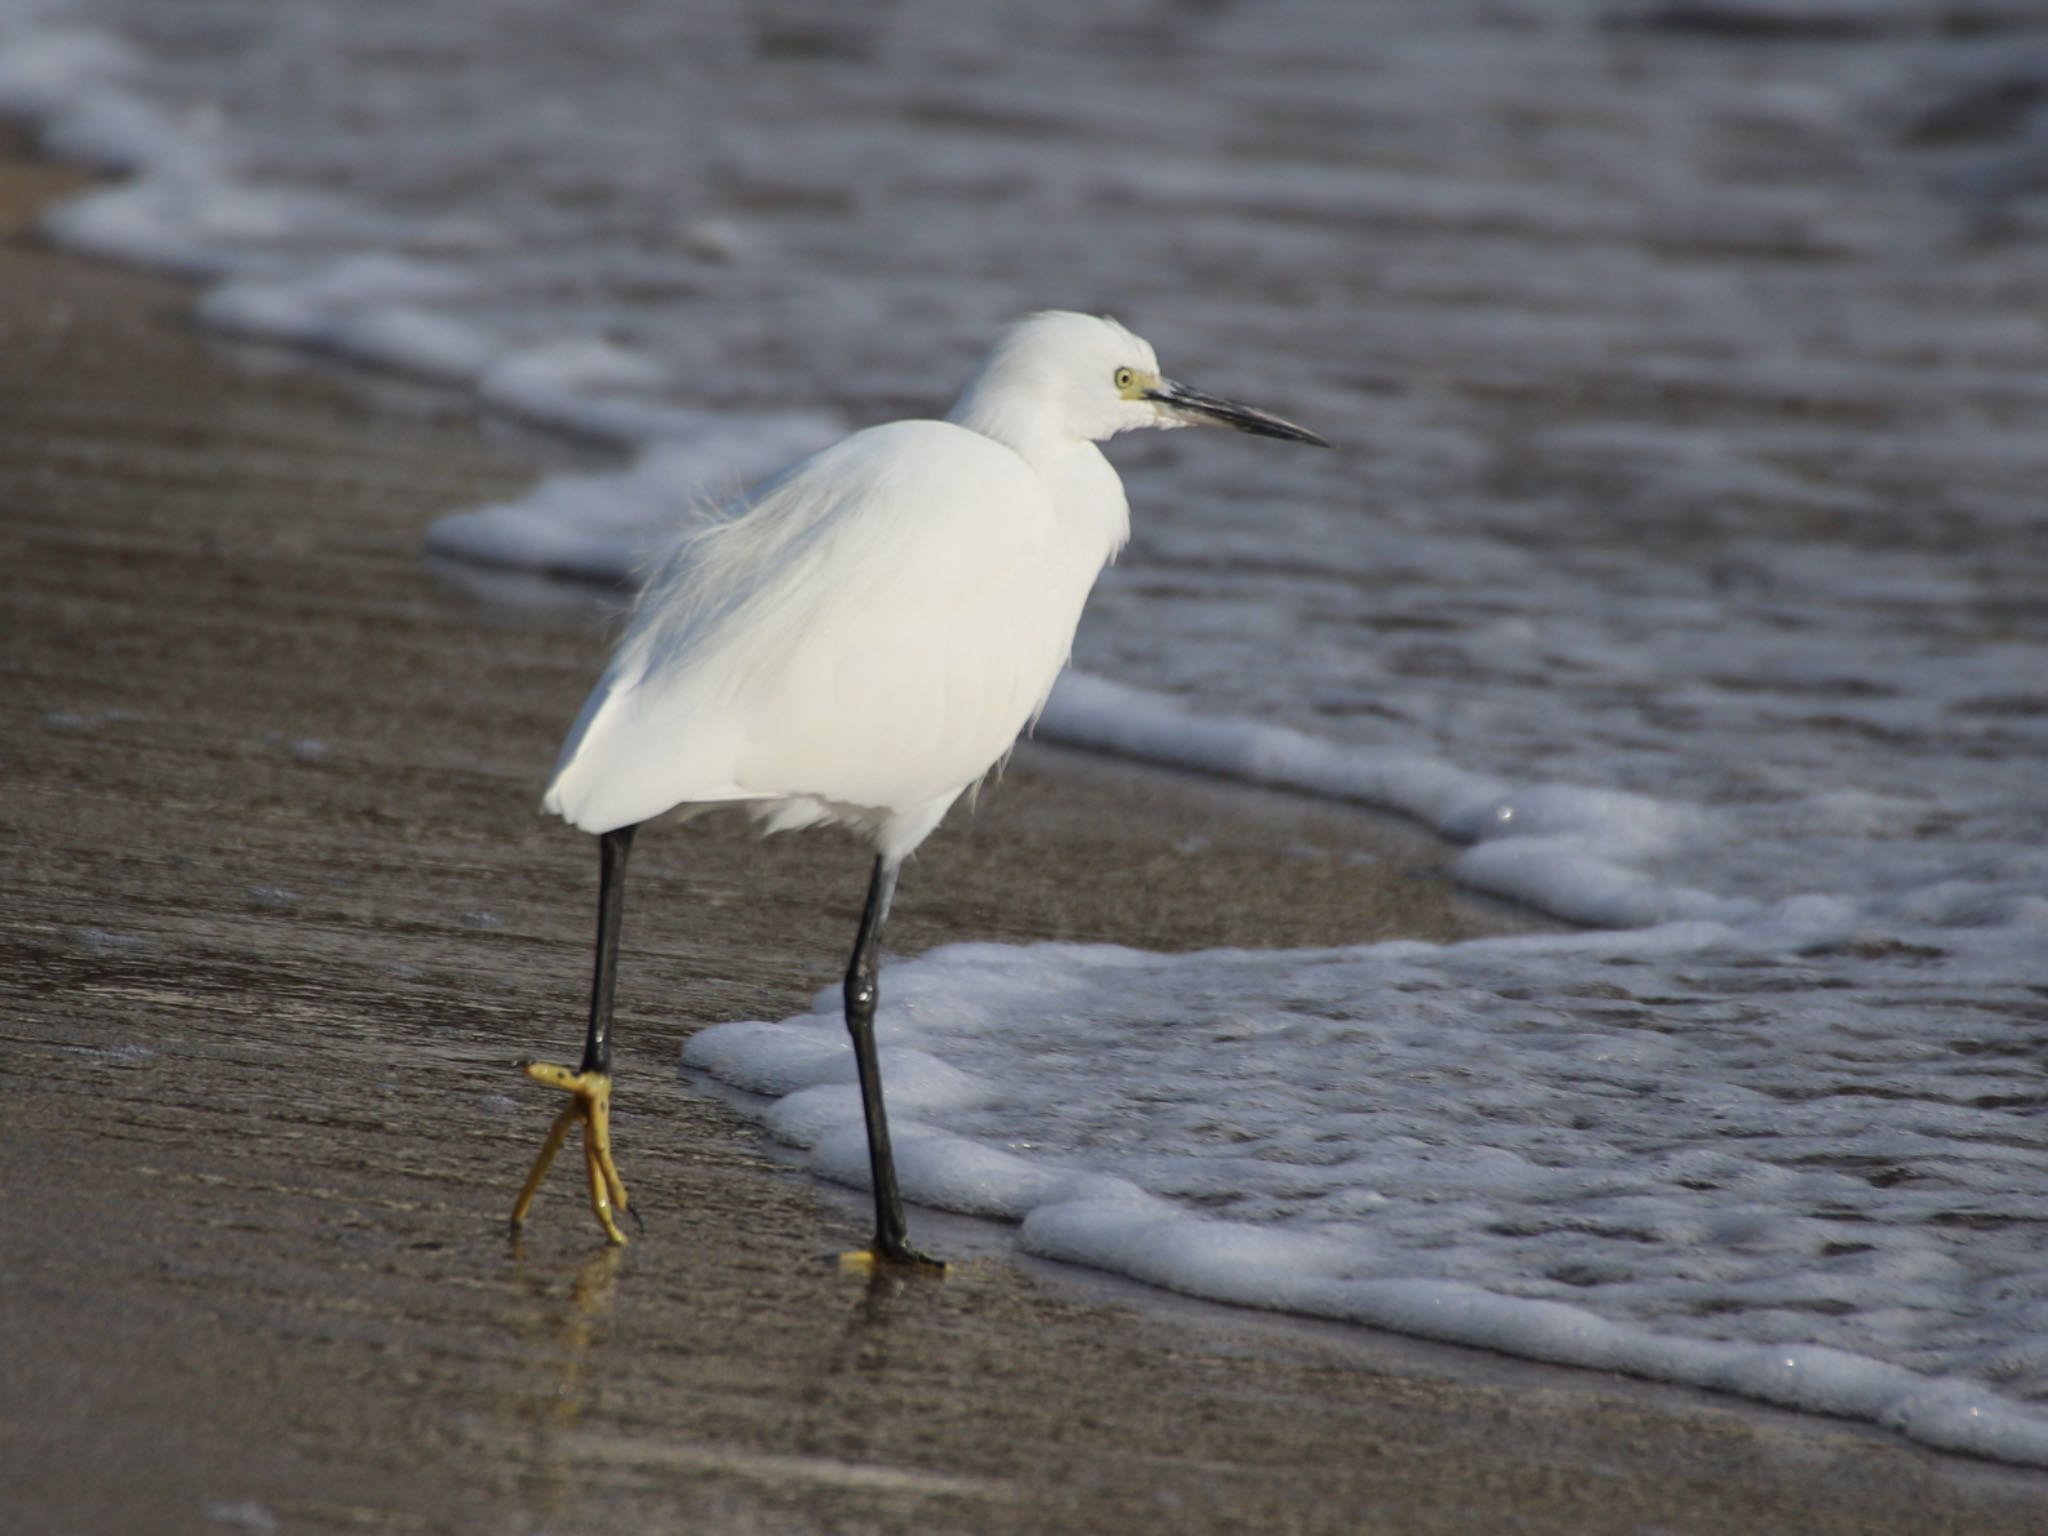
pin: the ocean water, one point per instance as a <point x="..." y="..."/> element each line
<point x="1685" y="556"/>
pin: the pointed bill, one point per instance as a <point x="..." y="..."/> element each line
<point x="1199" y="409"/>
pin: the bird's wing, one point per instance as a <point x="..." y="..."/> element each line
<point x="873" y="630"/>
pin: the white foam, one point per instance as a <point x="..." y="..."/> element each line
<point x="62" y="75"/>
<point x="1583" y="1148"/>
<point x="610" y="527"/>
<point x="191" y="208"/>
<point x="1562" y="848"/>
<point x="371" y="308"/>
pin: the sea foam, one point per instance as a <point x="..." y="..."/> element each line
<point x="1679" y="1152"/>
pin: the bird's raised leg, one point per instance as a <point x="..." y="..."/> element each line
<point x="590" y="1086"/>
<point x="892" y="1234"/>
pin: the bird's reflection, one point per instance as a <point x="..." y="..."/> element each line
<point x="879" y="1306"/>
<point x="876" y="1301"/>
<point x="559" y="1330"/>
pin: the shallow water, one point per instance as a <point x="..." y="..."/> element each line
<point x="1684" y="553"/>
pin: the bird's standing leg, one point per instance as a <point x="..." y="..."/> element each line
<point x="591" y="1084"/>
<point x="892" y="1233"/>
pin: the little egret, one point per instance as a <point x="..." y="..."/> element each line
<point x="863" y="638"/>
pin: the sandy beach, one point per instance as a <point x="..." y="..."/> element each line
<point x="282" y="913"/>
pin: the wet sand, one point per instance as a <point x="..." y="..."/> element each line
<point x="281" y="912"/>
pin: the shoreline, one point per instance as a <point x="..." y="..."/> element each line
<point x="284" y="913"/>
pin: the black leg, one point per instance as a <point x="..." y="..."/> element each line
<point x="892" y="1235"/>
<point x="611" y="905"/>
<point x="590" y="1086"/>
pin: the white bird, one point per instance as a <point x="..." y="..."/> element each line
<point x="859" y="641"/>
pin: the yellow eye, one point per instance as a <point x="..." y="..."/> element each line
<point x="1125" y="378"/>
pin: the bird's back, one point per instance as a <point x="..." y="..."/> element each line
<point x="862" y="642"/>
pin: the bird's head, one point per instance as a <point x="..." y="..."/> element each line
<point x="1086" y="377"/>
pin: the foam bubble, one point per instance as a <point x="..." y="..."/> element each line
<point x="1599" y="1148"/>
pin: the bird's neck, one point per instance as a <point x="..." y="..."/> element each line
<point x="1085" y="488"/>
<point x="1014" y="420"/>
<point x="1092" y="508"/>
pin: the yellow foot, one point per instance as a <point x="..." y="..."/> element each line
<point x="874" y="1260"/>
<point x="591" y="1102"/>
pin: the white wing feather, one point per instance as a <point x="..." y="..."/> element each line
<point x="867" y="638"/>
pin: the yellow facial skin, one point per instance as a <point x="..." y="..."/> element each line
<point x="1132" y="384"/>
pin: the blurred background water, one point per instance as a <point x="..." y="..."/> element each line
<point x="1684" y="549"/>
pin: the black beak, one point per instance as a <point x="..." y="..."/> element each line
<point x="1198" y="409"/>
